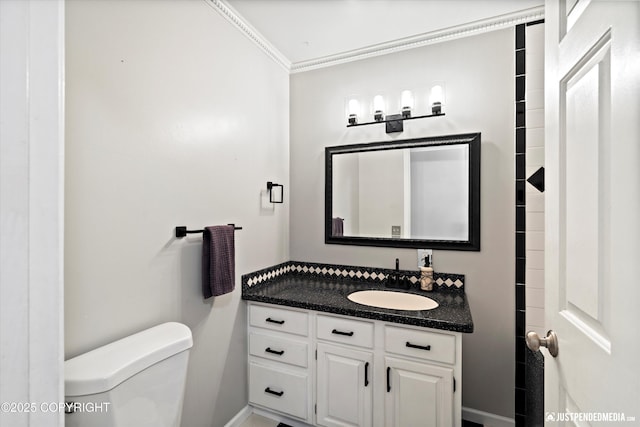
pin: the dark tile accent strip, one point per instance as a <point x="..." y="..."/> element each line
<point x="521" y="141"/>
<point x="520" y="245"/>
<point x="520" y="219"/>
<point x="520" y="147"/>
<point x="520" y="62"/>
<point x="521" y="264"/>
<point x="520" y="297"/>
<point x="521" y="401"/>
<point x="521" y="115"/>
<point x="520" y="88"/>
<point x="520" y="36"/>
<point x="521" y="194"/>
<point x="521" y="379"/>
<point x="521" y="160"/>
<point x="539" y="21"/>
<point x="520" y="323"/>
<point x="521" y="346"/>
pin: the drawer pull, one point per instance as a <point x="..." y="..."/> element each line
<point x="337" y="332"/>
<point x="366" y="374"/>
<point x="278" y="322"/>
<point x="420" y="347"/>
<point x="277" y="352"/>
<point x="276" y="393"/>
<point x="388" y="379"/>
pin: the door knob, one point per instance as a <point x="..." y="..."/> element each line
<point x="534" y="342"/>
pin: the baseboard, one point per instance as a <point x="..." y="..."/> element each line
<point x="480" y="417"/>
<point x="240" y="417"/>
<point x="486" y="419"/>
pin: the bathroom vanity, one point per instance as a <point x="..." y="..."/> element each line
<point x="317" y="357"/>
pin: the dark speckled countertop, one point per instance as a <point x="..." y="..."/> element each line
<point x="452" y="314"/>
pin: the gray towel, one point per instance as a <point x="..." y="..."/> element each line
<point x="337" y="226"/>
<point x="218" y="260"/>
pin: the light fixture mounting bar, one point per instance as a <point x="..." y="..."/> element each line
<point x="393" y="120"/>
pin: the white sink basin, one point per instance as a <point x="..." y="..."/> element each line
<point x="393" y="300"/>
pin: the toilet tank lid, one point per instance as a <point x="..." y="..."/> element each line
<point x="105" y="367"/>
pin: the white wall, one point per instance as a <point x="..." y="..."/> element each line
<point x="173" y="118"/>
<point x="478" y="72"/>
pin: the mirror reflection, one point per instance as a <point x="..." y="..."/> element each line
<point x="415" y="193"/>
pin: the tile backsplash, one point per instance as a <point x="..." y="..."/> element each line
<point x="344" y="272"/>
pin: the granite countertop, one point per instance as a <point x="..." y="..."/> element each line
<point x="452" y="314"/>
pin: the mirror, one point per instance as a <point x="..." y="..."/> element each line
<point x="417" y="193"/>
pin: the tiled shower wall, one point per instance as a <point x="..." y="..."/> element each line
<point x="534" y="277"/>
<point x="529" y="171"/>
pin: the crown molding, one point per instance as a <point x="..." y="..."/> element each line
<point x="451" y="33"/>
<point x="231" y="15"/>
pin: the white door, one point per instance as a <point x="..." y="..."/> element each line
<point x="418" y="394"/>
<point x="345" y="387"/>
<point x="593" y="211"/>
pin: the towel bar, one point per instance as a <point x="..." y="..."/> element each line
<point x="181" y="231"/>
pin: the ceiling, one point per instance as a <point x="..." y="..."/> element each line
<point x="307" y="30"/>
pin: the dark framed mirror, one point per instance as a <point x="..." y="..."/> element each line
<point x="414" y="193"/>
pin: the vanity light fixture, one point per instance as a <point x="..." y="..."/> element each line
<point x="276" y="192"/>
<point x="394" y="122"/>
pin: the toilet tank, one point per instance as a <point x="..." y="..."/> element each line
<point x="136" y="381"/>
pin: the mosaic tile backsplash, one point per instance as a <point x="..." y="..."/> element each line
<point x="345" y="272"/>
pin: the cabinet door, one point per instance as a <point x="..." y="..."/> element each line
<point x="418" y="394"/>
<point x="344" y="386"/>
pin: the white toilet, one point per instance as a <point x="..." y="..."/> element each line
<point x="137" y="381"/>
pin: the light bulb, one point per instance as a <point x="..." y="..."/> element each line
<point x="378" y="108"/>
<point x="354" y="110"/>
<point x="406" y="100"/>
<point x="436" y="98"/>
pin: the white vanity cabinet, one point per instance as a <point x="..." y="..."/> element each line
<point x="362" y="372"/>
<point x="419" y="391"/>
<point x="280" y="360"/>
<point x="344" y="367"/>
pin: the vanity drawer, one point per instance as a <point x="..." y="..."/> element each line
<point x="280" y="349"/>
<point x="279" y="319"/>
<point x="421" y="344"/>
<point x="279" y="390"/>
<point x="347" y="331"/>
